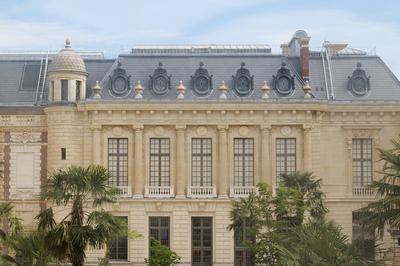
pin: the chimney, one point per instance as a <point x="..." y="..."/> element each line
<point x="298" y="46"/>
<point x="305" y="57"/>
<point x="285" y="49"/>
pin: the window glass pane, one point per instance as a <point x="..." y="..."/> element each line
<point x="118" y="161"/>
<point x="243" y="161"/>
<point x="64" y="90"/>
<point x="201" y="162"/>
<point x="362" y="162"/>
<point x="202" y="241"/>
<point x="78" y="89"/>
<point x="159" y="162"/>
<point x="243" y="255"/>
<point x="159" y="229"/>
<point x="119" y="245"/>
<point x="364" y="237"/>
<point x="285" y="156"/>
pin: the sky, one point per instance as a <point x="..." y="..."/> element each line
<point x="116" y="26"/>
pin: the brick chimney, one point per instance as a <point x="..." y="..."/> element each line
<point x="298" y="46"/>
<point x="305" y="57"/>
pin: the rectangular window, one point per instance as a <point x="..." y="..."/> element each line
<point x="64" y="90"/>
<point x="243" y="149"/>
<point x="202" y="241"/>
<point x="364" y="237"/>
<point x="118" y="161"/>
<point x="159" y="229"/>
<point x="201" y="162"/>
<point x="285" y="156"/>
<point x="362" y="162"/>
<point x="119" y="245"/>
<point x="159" y="162"/>
<point x="78" y="89"/>
<point x="243" y="256"/>
<point x="63" y="154"/>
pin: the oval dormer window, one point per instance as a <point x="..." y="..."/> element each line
<point x="283" y="82"/>
<point x="119" y="81"/>
<point x="243" y="81"/>
<point x="201" y="81"/>
<point x="359" y="82"/>
<point x="160" y="82"/>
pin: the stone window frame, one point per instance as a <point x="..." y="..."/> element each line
<point x="119" y="154"/>
<point x="107" y="132"/>
<point x="359" y="132"/>
<point x="127" y="240"/>
<point x="159" y="227"/>
<point x="213" y="244"/>
<point x="202" y="155"/>
<point x="159" y="132"/>
<point x="244" y="131"/>
<point x="244" y="155"/>
<point x="362" y="160"/>
<point x="156" y="149"/>
<point x="202" y="132"/>
<point x="287" y="131"/>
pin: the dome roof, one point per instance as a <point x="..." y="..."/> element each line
<point x="67" y="60"/>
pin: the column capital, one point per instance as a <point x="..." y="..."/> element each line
<point x="222" y="128"/>
<point x="266" y="127"/>
<point x="180" y="127"/>
<point x="307" y="127"/>
<point x="138" y="127"/>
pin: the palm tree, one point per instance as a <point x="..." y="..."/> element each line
<point x="386" y="209"/>
<point x="11" y="228"/>
<point x="81" y="192"/>
<point x="318" y="243"/>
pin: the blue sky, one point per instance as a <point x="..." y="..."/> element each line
<point x="113" y="26"/>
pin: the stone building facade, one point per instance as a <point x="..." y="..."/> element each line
<point x="184" y="130"/>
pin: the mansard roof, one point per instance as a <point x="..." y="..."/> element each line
<point x="19" y="76"/>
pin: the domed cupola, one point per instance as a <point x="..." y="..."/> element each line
<point x="67" y="76"/>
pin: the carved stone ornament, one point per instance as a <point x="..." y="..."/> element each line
<point x="243" y="82"/>
<point x="119" y="81"/>
<point x="283" y="82"/>
<point x="201" y="130"/>
<point x="160" y="82"/>
<point x="201" y="81"/>
<point x="359" y="82"/>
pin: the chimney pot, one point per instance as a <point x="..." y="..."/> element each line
<point x="285" y="49"/>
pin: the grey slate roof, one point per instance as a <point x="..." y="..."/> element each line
<point x="384" y="85"/>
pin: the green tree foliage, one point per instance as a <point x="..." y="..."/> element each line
<point x="161" y="255"/>
<point x="78" y="192"/>
<point x="385" y="211"/>
<point x="290" y="227"/>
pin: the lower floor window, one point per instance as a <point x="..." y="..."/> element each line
<point x="244" y="237"/>
<point x="159" y="229"/>
<point x="202" y="241"/>
<point x="363" y="237"/>
<point x="119" y="245"/>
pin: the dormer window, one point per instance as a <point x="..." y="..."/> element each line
<point x="359" y="82"/>
<point x="64" y="90"/>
